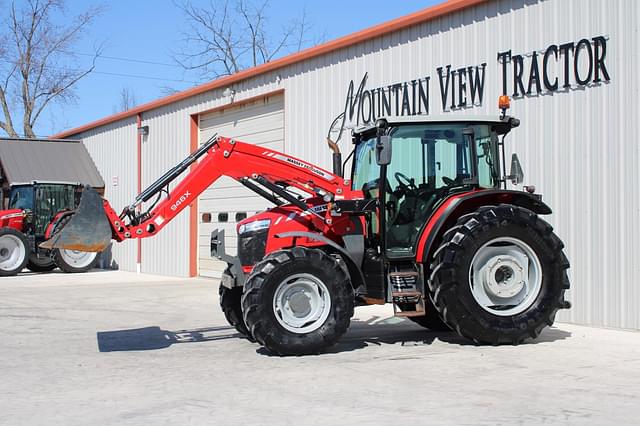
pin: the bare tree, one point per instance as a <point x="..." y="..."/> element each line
<point x="37" y="63"/>
<point x="226" y="37"/>
<point x="127" y="100"/>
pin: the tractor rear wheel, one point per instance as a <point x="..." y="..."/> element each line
<point x="40" y="264"/>
<point x="499" y="275"/>
<point x="14" y="251"/>
<point x="298" y="301"/>
<point x="74" y="261"/>
<point x="231" y="305"/>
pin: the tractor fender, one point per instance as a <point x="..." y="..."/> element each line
<point x="457" y="205"/>
<point x="357" y="279"/>
<point x="55" y="221"/>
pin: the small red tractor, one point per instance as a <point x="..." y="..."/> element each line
<point x="33" y="212"/>
<point x="424" y="221"/>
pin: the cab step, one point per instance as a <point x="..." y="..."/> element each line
<point x="408" y="298"/>
<point x="407" y="293"/>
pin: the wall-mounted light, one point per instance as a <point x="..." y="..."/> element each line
<point x="278" y="79"/>
<point x="143" y="131"/>
<point x="228" y="92"/>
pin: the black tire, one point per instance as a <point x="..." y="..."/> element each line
<point x="450" y="283"/>
<point x="40" y="264"/>
<point x="431" y="320"/>
<point x="231" y="305"/>
<point x="14" y="266"/>
<point x="260" y="291"/>
<point x="69" y="267"/>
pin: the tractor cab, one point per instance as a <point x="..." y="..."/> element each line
<point x="413" y="164"/>
<point x="42" y="202"/>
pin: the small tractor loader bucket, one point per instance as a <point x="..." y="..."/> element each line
<point x="87" y="230"/>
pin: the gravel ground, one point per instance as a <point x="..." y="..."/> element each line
<point x="119" y="348"/>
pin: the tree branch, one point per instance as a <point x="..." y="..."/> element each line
<point x="223" y="40"/>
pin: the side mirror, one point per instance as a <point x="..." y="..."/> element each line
<point x="516" y="174"/>
<point x="383" y="150"/>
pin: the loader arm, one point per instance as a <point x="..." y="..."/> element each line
<point x="261" y="169"/>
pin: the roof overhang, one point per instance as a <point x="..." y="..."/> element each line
<point x="25" y="162"/>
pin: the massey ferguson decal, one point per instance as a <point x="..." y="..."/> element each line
<point x="12" y="215"/>
<point x="316" y="209"/>
<point x="302" y="165"/>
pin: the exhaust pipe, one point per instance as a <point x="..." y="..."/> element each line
<point x="87" y="230"/>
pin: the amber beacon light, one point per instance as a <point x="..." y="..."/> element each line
<point x="504" y="103"/>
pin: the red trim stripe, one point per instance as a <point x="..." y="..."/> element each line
<point x="194" y="129"/>
<point x="139" y="167"/>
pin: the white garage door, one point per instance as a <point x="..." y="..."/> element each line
<point x="227" y="202"/>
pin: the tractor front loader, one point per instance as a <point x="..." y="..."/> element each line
<point x="424" y="221"/>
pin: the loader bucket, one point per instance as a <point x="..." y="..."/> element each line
<point x="87" y="230"/>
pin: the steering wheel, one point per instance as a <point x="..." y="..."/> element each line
<point x="407" y="184"/>
<point x="450" y="182"/>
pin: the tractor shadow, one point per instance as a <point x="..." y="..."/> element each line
<point x="379" y="331"/>
<point x="154" y="338"/>
<point x="394" y="331"/>
<point x="374" y="331"/>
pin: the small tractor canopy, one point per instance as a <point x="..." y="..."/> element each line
<point x="29" y="161"/>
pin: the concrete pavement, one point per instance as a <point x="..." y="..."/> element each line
<point x="118" y="348"/>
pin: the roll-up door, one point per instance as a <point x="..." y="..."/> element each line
<point x="226" y="202"/>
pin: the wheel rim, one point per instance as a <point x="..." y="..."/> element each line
<point x="301" y="303"/>
<point x="12" y="252"/>
<point x="505" y="276"/>
<point x="77" y="259"/>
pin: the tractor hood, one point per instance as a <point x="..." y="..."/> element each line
<point x="12" y="218"/>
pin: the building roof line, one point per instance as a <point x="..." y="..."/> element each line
<point x="375" y="31"/>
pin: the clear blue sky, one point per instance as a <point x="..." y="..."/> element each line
<point x="150" y="30"/>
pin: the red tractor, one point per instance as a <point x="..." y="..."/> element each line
<point x="424" y="221"/>
<point x="32" y="213"/>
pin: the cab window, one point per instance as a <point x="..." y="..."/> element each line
<point x="21" y="197"/>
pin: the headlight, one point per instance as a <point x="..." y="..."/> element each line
<point x="257" y="225"/>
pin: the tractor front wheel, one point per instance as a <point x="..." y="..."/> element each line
<point x="499" y="275"/>
<point x="231" y="305"/>
<point x="14" y="252"/>
<point x="298" y="301"/>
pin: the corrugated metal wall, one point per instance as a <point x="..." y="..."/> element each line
<point x="113" y="148"/>
<point x="578" y="146"/>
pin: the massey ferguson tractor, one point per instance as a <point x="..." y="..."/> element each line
<point x="423" y="221"/>
<point x="33" y="213"/>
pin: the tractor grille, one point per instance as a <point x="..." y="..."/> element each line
<point x="252" y="246"/>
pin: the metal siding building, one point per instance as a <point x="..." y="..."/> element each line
<point x="577" y="144"/>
